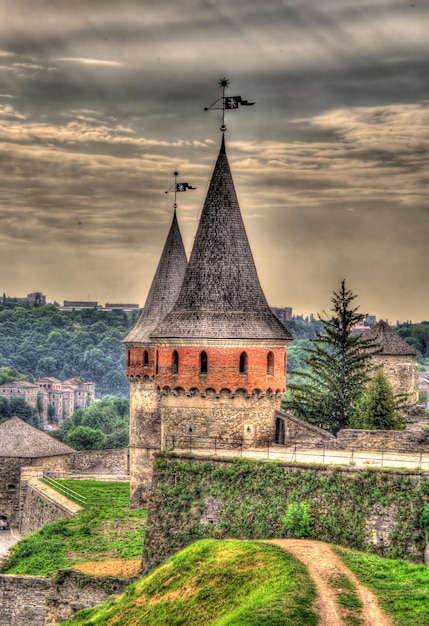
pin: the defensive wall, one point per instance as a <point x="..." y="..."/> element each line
<point x="193" y="497"/>
<point x="38" y="601"/>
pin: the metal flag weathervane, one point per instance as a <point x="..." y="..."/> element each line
<point x="177" y="187"/>
<point x="228" y="102"/>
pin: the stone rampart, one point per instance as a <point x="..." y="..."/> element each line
<point x="403" y="440"/>
<point x="374" y="510"/>
<point x="30" y="600"/>
<point x="88" y="461"/>
<point x="41" y="505"/>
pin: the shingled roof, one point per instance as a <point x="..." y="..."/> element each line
<point x="390" y="342"/>
<point x="165" y="286"/>
<point x="20" y="440"/>
<point x="221" y="297"/>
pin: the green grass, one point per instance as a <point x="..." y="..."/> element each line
<point x="402" y="588"/>
<point x="347" y="597"/>
<point x="105" y="529"/>
<point x="216" y="583"/>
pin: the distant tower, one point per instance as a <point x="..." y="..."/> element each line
<point x="398" y="359"/>
<point x="221" y="351"/>
<point x="141" y="363"/>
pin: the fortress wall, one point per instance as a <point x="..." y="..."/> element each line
<point x="38" y="601"/>
<point x="404" y="440"/>
<point x="196" y="497"/>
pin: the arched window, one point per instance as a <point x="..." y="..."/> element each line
<point x="270" y="363"/>
<point x="243" y="363"/>
<point x="145" y="358"/>
<point x="175" y="362"/>
<point x="156" y="362"/>
<point x="128" y="357"/>
<point x="203" y="362"/>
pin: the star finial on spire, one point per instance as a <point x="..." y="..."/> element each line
<point x="227" y="102"/>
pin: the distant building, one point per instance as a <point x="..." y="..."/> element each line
<point x="122" y="307"/>
<point x="79" y="304"/>
<point x="284" y="314"/>
<point x="64" y="397"/>
<point x="37" y="297"/>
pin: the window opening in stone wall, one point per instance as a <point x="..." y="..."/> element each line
<point x="175" y="362"/>
<point x="145" y="358"/>
<point x="203" y="362"/>
<point x="280" y="431"/>
<point x="270" y="364"/>
<point x="243" y="363"/>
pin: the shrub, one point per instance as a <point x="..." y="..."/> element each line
<point x="298" y="519"/>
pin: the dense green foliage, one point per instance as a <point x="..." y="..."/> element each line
<point x="218" y="584"/>
<point x="20" y="408"/>
<point x="402" y="588"/>
<point x="338" y="368"/>
<point x="298" y="518"/>
<point x="105" y="424"/>
<point x="377" y="408"/>
<point x="43" y="341"/>
<point x="253" y="496"/>
<point x="105" y="529"/>
<point x="417" y="335"/>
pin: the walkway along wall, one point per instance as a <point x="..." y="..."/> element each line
<point x="373" y="510"/>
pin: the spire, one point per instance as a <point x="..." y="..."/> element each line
<point x="221" y="296"/>
<point x="165" y="286"/>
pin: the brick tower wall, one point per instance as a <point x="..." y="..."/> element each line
<point x="265" y="368"/>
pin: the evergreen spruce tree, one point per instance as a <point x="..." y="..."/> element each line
<point x="339" y="367"/>
<point x="377" y="408"/>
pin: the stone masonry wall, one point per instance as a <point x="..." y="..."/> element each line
<point x="29" y="600"/>
<point x="9" y="489"/>
<point x="111" y="461"/>
<point x="404" y="440"/>
<point x="224" y="416"/>
<point x="403" y="373"/>
<point x="42" y="505"/>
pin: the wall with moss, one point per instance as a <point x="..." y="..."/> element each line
<point x="375" y="510"/>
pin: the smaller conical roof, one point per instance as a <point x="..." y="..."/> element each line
<point x="18" y="439"/>
<point x="389" y="340"/>
<point x="165" y="286"/>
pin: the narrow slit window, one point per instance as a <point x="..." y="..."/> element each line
<point x="128" y="357"/>
<point x="145" y="358"/>
<point x="243" y="363"/>
<point x="175" y="362"/>
<point x="203" y="362"/>
<point x="270" y="363"/>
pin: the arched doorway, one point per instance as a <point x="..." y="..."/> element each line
<point x="280" y="437"/>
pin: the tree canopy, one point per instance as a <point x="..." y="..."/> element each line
<point x="377" y="408"/>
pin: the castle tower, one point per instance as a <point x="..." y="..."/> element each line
<point x="221" y="351"/>
<point x="141" y="364"/>
<point x="398" y="359"/>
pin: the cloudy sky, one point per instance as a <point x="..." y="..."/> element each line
<point x="101" y="101"/>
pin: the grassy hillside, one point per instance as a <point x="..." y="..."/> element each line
<point x="105" y="529"/>
<point x="215" y="583"/>
<point x="402" y="588"/>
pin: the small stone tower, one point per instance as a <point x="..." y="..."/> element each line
<point x="141" y="359"/>
<point x="398" y="359"/>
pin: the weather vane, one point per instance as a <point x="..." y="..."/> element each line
<point x="228" y="102"/>
<point x="178" y="187"/>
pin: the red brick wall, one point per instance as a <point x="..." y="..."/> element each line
<point x="135" y="361"/>
<point x="223" y="368"/>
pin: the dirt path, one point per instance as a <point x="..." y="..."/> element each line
<point x="322" y="564"/>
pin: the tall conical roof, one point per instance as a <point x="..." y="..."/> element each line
<point x="221" y="296"/>
<point x="165" y="286"/>
<point x="389" y="340"/>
